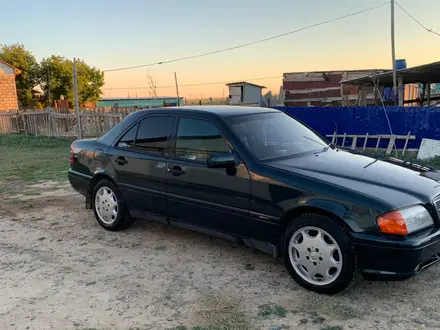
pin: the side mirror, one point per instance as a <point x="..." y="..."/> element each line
<point x="225" y="160"/>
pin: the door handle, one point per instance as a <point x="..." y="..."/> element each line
<point x="176" y="170"/>
<point x="121" y="160"/>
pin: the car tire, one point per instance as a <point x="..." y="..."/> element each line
<point x="108" y="207"/>
<point x="319" y="254"/>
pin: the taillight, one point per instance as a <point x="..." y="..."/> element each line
<point x="72" y="155"/>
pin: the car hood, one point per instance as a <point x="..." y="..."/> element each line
<point x="388" y="179"/>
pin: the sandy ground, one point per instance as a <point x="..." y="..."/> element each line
<point x="60" y="270"/>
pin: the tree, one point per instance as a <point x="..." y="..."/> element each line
<point x="60" y="70"/>
<point x="151" y="84"/>
<point x="90" y="82"/>
<point x="29" y="78"/>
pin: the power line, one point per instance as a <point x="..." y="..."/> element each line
<point x="250" y="43"/>
<point x="190" y="85"/>
<point x="416" y="20"/>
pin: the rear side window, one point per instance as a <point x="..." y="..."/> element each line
<point x="197" y="139"/>
<point x="154" y="134"/>
<point x="127" y="141"/>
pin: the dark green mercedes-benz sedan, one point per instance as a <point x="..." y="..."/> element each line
<point x="259" y="177"/>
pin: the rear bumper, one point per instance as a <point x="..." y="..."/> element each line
<point x="382" y="258"/>
<point x="80" y="182"/>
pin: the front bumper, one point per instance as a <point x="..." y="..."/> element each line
<point x="384" y="258"/>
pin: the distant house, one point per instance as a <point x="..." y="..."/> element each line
<point x="323" y="88"/>
<point x="244" y="93"/>
<point x="140" y="102"/>
<point x="8" y="91"/>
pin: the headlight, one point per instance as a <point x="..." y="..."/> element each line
<point x="405" y="221"/>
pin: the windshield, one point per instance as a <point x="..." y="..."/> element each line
<point x="272" y="135"/>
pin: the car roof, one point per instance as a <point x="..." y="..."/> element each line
<point x="216" y="110"/>
<point x="220" y="110"/>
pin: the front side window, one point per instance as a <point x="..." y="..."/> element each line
<point x="197" y="139"/>
<point x="275" y="134"/>
<point x="154" y="134"/>
<point x="127" y="141"/>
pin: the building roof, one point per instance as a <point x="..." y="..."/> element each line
<point x="17" y="71"/>
<point x="335" y="71"/>
<point x="428" y="73"/>
<point x="138" y="101"/>
<point x="244" y="83"/>
<point x="220" y="110"/>
<point x="138" y="98"/>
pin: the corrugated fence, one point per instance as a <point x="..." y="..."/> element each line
<point x="423" y="122"/>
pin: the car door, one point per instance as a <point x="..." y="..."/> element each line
<point x="140" y="159"/>
<point x="214" y="198"/>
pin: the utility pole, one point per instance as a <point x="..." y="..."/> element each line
<point x="393" y="53"/>
<point x="177" y="90"/>
<point x="75" y="92"/>
<point x="48" y="87"/>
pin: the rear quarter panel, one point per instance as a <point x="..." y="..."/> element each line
<point x="91" y="158"/>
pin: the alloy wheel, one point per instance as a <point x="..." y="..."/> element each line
<point x="106" y="205"/>
<point x="315" y="255"/>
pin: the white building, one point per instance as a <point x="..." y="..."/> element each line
<point x="244" y="93"/>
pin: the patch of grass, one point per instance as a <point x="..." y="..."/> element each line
<point x="179" y="327"/>
<point x="432" y="162"/>
<point x="316" y="318"/>
<point x="7" y="189"/>
<point x="336" y="307"/>
<point x="303" y="321"/>
<point x="31" y="193"/>
<point x="18" y="201"/>
<point x="32" y="158"/>
<point x="223" y="313"/>
<point x="268" y="311"/>
<point x="332" y="327"/>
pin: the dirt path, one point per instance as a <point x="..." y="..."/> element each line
<point x="60" y="270"/>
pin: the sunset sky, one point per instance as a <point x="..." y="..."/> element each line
<point x="111" y="34"/>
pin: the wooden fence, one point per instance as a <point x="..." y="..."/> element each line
<point x="88" y="123"/>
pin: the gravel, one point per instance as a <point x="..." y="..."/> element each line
<point x="60" y="270"/>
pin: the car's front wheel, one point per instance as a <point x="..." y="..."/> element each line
<point x="109" y="208"/>
<point x="318" y="254"/>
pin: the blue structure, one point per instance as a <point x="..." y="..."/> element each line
<point x="423" y="122"/>
<point x="388" y="94"/>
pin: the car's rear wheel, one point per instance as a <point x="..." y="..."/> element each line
<point x="318" y="254"/>
<point x="109" y="208"/>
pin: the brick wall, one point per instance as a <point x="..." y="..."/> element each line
<point x="8" y="92"/>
